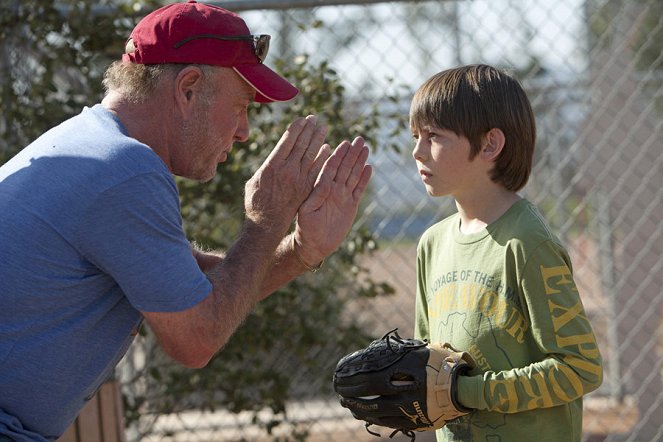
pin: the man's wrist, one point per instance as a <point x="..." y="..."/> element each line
<point x="302" y="260"/>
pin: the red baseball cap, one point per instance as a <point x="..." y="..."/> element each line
<point x="204" y="34"/>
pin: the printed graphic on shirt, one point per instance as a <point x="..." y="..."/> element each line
<point x="467" y="306"/>
<point x="471" y="291"/>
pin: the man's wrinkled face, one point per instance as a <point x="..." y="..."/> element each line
<point x="208" y="137"/>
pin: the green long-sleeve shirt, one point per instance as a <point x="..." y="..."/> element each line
<point x="507" y="296"/>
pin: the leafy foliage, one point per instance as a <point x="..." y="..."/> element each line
<point x="645" y="42"/>
<point x="52" y="57"/>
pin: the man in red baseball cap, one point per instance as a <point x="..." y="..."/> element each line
<point x="94" y="241"/>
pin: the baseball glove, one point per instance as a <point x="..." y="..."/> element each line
<point x="404" y="384"/>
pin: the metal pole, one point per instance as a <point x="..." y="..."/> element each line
<point x="455" y="26"/>
<point x="608" y="286"/>
<point x="245" y="5"/>
<point x="241" y="5"/>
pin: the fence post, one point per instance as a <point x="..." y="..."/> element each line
<point x="606" y="255"/>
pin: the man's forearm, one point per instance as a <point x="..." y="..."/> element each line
<point x="237" y="280"/>
<point x="206" y="259"/>
<point x="284" y="266"/>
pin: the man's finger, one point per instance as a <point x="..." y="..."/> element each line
<point x="358" y="166"/>
<point x="331" y="167"/>
<point x="365" y="177"/>
<point x="323" y="154"/>
<point x="303" y="142"/>
<point x="317" y="140"/>
<point x="349" y="160"/>
<point x="325" y="181"/>
<point x="287" y="141"/>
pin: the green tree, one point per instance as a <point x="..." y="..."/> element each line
<point x="52" y="57"/>
<point x="646" y="37"/>
<point x="610" y="20"/>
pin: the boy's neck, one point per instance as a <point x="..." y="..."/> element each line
<point x="479" y="210"/>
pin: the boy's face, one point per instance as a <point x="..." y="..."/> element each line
<point x="443" y="162"/>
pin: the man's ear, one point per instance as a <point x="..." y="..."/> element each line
<point x="492" y="144"/>
<point x="188" y="85"/>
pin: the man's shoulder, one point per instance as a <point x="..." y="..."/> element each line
<point x="99" y="135"/>
<point x="93" y="146"/>
<point x="64" y="171"/>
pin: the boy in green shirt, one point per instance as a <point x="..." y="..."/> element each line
<point x="492" y="279"/>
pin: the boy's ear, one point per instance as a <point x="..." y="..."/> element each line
<point x="492" y="144"/>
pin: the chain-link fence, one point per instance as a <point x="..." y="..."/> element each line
<point x="594" y="72"/>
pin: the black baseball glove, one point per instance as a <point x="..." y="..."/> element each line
<point x="404" y="384"/>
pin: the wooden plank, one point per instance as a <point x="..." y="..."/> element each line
<point x="119" y="411"/>
<point x="88" y="422"/>
<point x="101" y="420"/>
<point x="70" y="435"/>
<point x="110" y="411"/>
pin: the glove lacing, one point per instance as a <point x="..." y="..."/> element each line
<point x="404" y="342"/>
<point x="408" y="433"/>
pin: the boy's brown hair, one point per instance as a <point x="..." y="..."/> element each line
<point x="471" y="100"/>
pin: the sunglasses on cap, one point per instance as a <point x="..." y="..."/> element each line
<point x="260" y="42"/>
